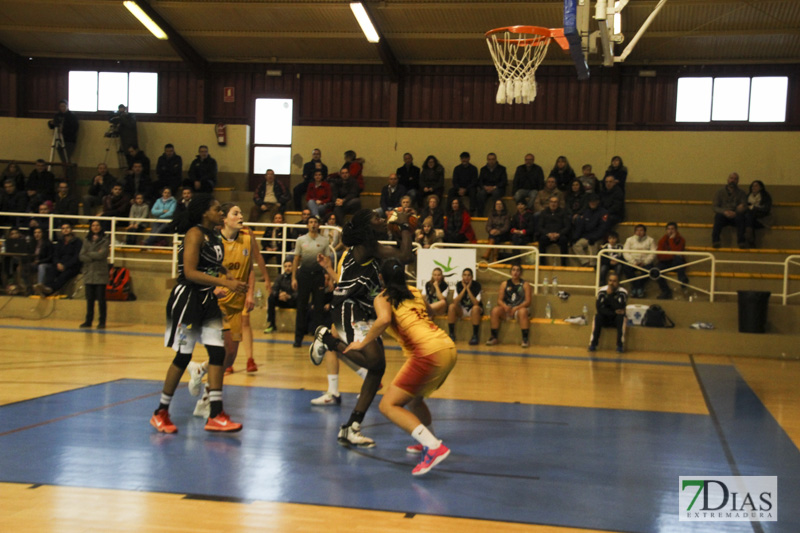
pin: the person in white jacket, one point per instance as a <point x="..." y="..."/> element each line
<point x="638" y="264"/>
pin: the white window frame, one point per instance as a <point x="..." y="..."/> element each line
<point x="88" y="92"/>
<point x="709" y="114"/>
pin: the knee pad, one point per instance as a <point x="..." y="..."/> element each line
<point x="216" y="355"/>
<point x="182" y="360"/>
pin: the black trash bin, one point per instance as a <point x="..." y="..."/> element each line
<point x="753" y="311"/>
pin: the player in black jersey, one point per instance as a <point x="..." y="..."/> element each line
<point x="512" y="303"/>
<point x="353" y="309"/>
<point x="611" y="303"/>
<point x="193" y="314"/>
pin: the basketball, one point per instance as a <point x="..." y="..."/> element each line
<point x="394" y="228"/>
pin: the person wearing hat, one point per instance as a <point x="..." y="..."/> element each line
<point x="308" y="278"/>
<point x="591" y="228"/>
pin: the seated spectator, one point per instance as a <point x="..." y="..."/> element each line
<point x="116" y="204"/>
<point x="272" y="244"/>
<point x="139" y="211"/>
<point x="169" y="170"/>
<point x="202" y="172"/>
<point x="42" y="263"/>
<point x="160" y="233"/>
<point x="94" y="256"/>
<point x="528" y="181"/>
<point x="542" y="200"/>
<point x="553" y="227"/>
<point x="66" y="204"/>
<point x="282" y="295"/>
<point x="426" y="234"/>
<point x="458" y="227"/>
<point x="43" y="220"/>
<point x="134" y="155"/>
<point x="34" y="200"/>
<point x="639" y="264"/>
<point x="431" y="178"/>
<point x="408" y="176"/>
<point x="563" y="173"/>
<point x="498" y="223"/>
<point x="12" y="201"/>
<point x="334" y="236"/>
<point x="345" y="195"/>
<point x="406" y="207"/>
<point x="99" y="189"/>
<point x="611" y="303"/>
<point x="492" y="182"/>
<point x="465" y="182"/>
<point x="355" y="168"/>
<point x="163" y="209"/>
<point x="66" y="259"/>
<point x="299" y="192"/>
<point x="319" y="197"/>
<point x="759" y="206"/>
<point x="466" y="302"/>
<point x="435" y="292"/>
<point x="42" y="181"/>
<point x="435" y="212"/>
<point x="589" y="180"/>
<point x="672" y="241"/>
<point x="14" y="173"/>
<point x="522" y="226"/>
<point x="618" y="170"/>
<point x="513" y="301"/>
<point x="138" y="183"/>
<point x="575" y="200"/>
<point x="391" y="194"/>
<point x="270" y="197"/>
<point x="611" y="262"/>
<point x="613" y="199"/>
<point x="590" y="230"/>
<point x="16" y="266"/>
<point x="730" y="206"/>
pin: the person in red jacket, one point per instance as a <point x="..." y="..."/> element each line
<point x="354" y="165"/>
<point x="672" y="241"/>
<point x="319" y="195"/>
<point x="458" y="227"/>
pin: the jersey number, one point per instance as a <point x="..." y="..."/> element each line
<point x="233" y="266"/>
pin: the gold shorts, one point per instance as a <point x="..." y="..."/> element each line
<point x="421" y="376"/>
<point x="232" y="321"/>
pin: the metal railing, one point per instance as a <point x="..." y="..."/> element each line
<point x="791" y="260"/>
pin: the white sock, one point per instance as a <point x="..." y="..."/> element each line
<point x="362" y="373"/>
<point x="165" y="399"/>
<point x="424" y="436"/>
<point x="333" y="384"/>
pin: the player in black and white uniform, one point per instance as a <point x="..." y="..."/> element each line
<point x="611" y="303"/>
<point x="353" y="311"/>
<point x="193" y="314"/>
<point x="512" y="304"/>
<point x="466" y="302"/>
<point x="436" y="291"/>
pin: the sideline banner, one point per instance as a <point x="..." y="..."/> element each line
<point x="452" y="261"/>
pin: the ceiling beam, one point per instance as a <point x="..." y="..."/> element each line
<point x="197" y="63"/>
<point x="384" y="50"/>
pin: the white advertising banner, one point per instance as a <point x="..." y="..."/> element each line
<point x="452" y="261"/>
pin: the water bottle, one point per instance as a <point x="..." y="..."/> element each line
<point x="546" y="286"/>
<point x="259" y="298"/>
<point x="555" y="285"/>
<point x="488" y="308"/>
<point x="585" y="311"/>
<point x="548" y="311"/>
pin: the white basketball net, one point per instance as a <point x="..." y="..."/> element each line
<point x="516" y="64"/>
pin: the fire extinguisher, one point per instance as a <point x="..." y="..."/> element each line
<point x="222" y="134"/>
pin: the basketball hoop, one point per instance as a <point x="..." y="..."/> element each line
<point x="517" y="52"/>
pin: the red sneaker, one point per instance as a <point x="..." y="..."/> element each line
<point x="252" y="366"/>
<point x="160" y="420"/>
<point x="430" y="458"/>
<point x="229" y="370"/>
<point x="222" y="423"/>
<point x="414" y="448"/>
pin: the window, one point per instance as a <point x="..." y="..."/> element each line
<point x="105" y="91"/>
<point x="761" y="99"/>
<point x="272" y="136"/>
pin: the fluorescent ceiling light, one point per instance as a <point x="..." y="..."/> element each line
<point x="366" y="24"/>
<point x="137" y="12"/>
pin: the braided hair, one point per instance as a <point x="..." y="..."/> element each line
<point x="394" y="280"/>
<point x="197" y="207"/>
<point x="359" y="230"/>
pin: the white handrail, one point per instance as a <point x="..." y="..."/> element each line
<point x="791" y="260"/>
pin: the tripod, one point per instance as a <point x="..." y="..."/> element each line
<point x="113" y="143"/>
<point x="58" y="147"/>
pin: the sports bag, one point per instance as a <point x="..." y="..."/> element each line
<point x="656" y="317"/>
<point x="119" y="285"/>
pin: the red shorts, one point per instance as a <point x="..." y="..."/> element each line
<point x="421" y="376"/>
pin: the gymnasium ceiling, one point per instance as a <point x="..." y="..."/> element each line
<point x="415" y="31"/>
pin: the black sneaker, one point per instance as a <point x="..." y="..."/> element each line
<point x="474" y="340"/>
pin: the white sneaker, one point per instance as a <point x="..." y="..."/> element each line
<point x="351" y="435"/>
<point x="202" y="408"/>
<point x="196" y="374"/>
<point x="328" y="399"/>
<point x="316" y="352"/>
<point x="577" y="320"/>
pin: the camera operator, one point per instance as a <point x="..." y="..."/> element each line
<point x="125" y="125"/>
<point x="67" y="124"/>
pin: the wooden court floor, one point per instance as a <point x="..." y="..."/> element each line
<point x="42" y="358"/>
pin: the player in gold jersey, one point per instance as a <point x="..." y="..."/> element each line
<point x="240" y="249"/>
<point x="430" y="356"/>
